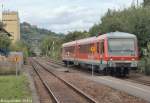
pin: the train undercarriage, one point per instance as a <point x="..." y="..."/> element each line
<point x="119" y="71"/>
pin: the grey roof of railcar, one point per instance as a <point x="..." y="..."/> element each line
<point x="119" y="34"/>
<point x="108" y="35"/>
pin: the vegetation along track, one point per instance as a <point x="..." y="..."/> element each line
<point x="60" y="90"/>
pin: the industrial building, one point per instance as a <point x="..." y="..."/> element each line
<point x="11" y="23"/>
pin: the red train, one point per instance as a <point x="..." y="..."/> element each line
<point x="115" y="53"/>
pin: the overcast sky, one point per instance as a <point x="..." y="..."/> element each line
<point x="64" y="15"/>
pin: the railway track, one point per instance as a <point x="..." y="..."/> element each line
<point x="60" y="90"/>
<point x="59" y="64"/>
<point x="140" y="81"/>
<point x="136" y="80"/>
<point x="46" y="95"/>
<point x="56" y="62"/>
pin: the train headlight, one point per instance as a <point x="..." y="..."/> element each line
<point x="111" y="63"/>
<point x="133" y="59"/>
<point x="111" y="59"/>
<point x="134" y="64"/>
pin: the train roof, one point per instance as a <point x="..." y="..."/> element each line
<point x="69" y="44"/>
<point x="93" y="39"/>
<point x="87" y="40"/>
<point x="118" y="34"/>
<point x="81" y="41"/>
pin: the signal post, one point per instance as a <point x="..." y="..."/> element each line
<point x="93" y="50"/>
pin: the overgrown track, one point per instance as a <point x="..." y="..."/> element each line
<point x="59" y="89"/>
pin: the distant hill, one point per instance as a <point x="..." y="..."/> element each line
<point x="32" y="35"/>
<point x="29" y="31"/>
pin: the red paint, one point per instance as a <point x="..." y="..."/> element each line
<point x="76" y="54"/>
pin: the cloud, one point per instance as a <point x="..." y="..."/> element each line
<point x="67" y="18"/>
<point x="77" y="25"/>
<point x="64" y="15"/>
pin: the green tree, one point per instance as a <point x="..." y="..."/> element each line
<point x="4" y="40"/>
<point x="51" y="46"/>
<point x="21" y="46"/>
<point x="76" y="35"/>
<point x="146" y="3"/>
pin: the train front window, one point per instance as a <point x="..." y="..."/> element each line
<point x="121" y="47"/>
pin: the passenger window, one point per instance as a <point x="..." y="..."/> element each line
<point x="98" y="47"/>
<point x="102" y="46"/>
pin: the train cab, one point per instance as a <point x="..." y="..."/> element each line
<point x="120" y="52"/>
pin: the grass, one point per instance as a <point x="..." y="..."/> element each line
<point x="14" y="88"/>
<point x="144" y="66"/>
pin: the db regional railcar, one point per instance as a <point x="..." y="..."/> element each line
<point x="114" y="53"/>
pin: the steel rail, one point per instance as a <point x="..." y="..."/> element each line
<point x="89" y="98"/>
<point x="55" y="100"/>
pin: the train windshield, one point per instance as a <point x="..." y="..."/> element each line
<point x="121" y="47"/>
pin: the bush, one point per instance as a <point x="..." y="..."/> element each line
<point x="51" y="47"/>
<point x="141" y="66"/>
<point x="20" y="47"/>
<point x="147" y="66"/>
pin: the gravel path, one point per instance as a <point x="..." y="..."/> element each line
<point x="28" y="71"/>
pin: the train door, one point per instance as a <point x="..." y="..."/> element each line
<point x="76" y="62"/>
<point x="101" y="50"/>
<point x="102" y="64"/>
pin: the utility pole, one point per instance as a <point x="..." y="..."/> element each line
<point x="1" y="12"/>
<point x="137" y="3"/>
<point x="47" y="51"/>
<point x="53" y="49"/>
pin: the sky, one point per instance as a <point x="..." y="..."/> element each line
<point x="62" y="16"/>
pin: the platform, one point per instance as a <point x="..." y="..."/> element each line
<point x="131" y="88"/>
